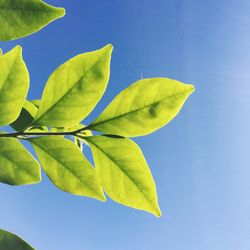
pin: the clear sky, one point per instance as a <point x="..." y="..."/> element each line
<point x="200" y="160"/>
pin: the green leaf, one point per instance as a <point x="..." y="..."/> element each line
<point x="124" y="173"/>
<point x="26" y="116"/>
<point x="1" y="52"/>
<point x="67" y="129"/>
<point x="66" y="166"/>
<point x="17" y="166"/>
<point x="74" y="89"/>
<point x="143" y="107"/>
<point x="14" y="84"/>
<point x="10" y="241"/>
<point x="24" y="17"/>
<point x="36" y="102"/>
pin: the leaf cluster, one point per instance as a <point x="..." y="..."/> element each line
<point x="54" y="124"/>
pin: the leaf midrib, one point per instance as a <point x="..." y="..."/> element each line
<point x="129" y="177"/>
<point x="68" y="169"/>
<point x="135" y="110"/>
<point x="65" y="94"/>
<point x="26" y="10"/>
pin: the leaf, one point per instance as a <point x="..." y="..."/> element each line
<point x="66" y="166"/>
<point x="1" y="52"/>
<point x="26" y="116"/>
<point x="143" y="107"/>
<point x="36" y="102"/>
<point x="67" y="129"/>
<point x="10" y="241"/>
<point x="17" y="166"/>
<point x="14" y="84"/>
<point x="74" y="89"/>
<point x="124" y="173"/>
<point x="24" y="17"/>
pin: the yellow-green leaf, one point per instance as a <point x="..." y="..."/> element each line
<point x="17" y="166"/>
<point x="36" y="102"/>
<point x="20" y="18"/>
<point x="124" y="173"/>
<point x="14" y="84"/>
<point x="143" y="107"/>
<point x="74" y="89"/>
<point x="66" y="166"/>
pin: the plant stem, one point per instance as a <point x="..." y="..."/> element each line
<point x="23" y="133"/>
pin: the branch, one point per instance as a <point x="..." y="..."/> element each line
<point x="23" y="133"/>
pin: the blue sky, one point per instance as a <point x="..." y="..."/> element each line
<point x="200" y="160"/>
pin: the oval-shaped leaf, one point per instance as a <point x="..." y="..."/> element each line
<point x="14" y="84"/>
<point x="124" y="173"/>
<point x="143" y="107"/>
<point x="24" y="17"/>
<point x="74" y="89"/>
<point x="10" y="241"/>
<point x="17" y="166"/>
<point x="66" y="166"/>
<point x="26" y="116"/>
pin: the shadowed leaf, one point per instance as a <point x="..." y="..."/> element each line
<point x="26" y="116"/>
<point x="10" y="241"/>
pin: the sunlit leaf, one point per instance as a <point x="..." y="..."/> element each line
<point x="14" y="84"/>
<point x="36" y="102"/>
<point x="10" y="241"/>
<point x="124" y="173"/>
<point x="66" y="166"/>
<point x="74" y="89"/>
<point x="143" y="107"/>
<point x="17" y="166"/>
<point x="20" y="18"/>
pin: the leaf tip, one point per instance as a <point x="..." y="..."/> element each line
<point x="108" y="47"/>
<point x="18" y="49"/>
<point x="192" y="88"/>
<point x="155" y="210"/>
<point x="157" y="213"/>
<point x="61" y="12"/>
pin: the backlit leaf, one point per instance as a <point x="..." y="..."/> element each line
<point x="74" y="89"/>
<point x="17" y="166"/>
<point x="66" y="166"/>
<point x="19" y="18"/>
<point x="14" y="84"/>
<point x="10" y="241"/>
<point x="36" y="102"/>
<point x="143" y="107"/>
<point x="124" y="173"/>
